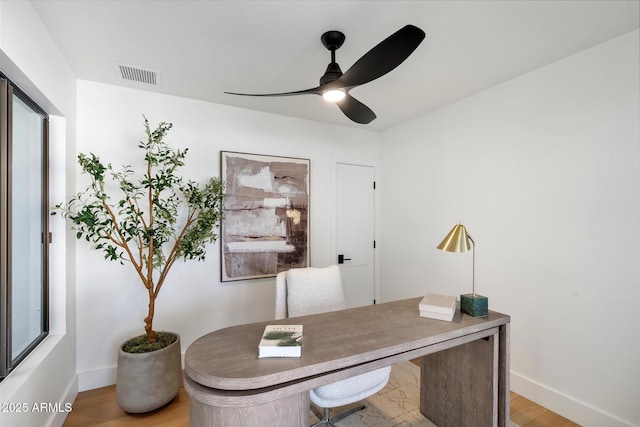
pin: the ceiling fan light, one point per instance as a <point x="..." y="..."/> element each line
<point x="333" y="95"/>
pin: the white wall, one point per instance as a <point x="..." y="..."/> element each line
<point x="30" y="58"/>
<point x="551" y="159"/>
<point x="111" y="301"/>
<point x="544" y="171"/>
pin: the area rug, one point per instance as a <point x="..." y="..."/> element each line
<point x="398" y="404"/>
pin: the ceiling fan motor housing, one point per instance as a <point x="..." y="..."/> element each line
<point x="332" y="73"/>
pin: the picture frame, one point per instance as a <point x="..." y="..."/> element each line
<point x="265" y="225"/>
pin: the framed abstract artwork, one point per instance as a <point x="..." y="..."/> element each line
<point x="265" y="228"/>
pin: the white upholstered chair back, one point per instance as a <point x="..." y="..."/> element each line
<point x="302" y="291"/>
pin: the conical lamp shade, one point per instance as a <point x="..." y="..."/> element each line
<point x="456" y="241"/>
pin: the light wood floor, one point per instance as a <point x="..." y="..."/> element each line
<point x="99" y="408"/>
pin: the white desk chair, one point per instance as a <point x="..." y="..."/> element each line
<point x="302" y="291"/>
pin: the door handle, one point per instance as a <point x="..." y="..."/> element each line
<point x="342" y="259"/>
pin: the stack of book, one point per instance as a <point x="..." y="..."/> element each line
<point x="281" y="341"/>
<point x="436" y="306"/>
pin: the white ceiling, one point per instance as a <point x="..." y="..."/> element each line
<point x="203" y="48"/>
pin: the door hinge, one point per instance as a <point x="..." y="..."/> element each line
<point x="374" y="244"/>
<point x="50" y="237"/>
<point x="374" y="185"/>
<point x="374" y="301"/>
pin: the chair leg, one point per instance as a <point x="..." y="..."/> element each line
<point x="327" y="420"/>
<point x="337" y="417"/>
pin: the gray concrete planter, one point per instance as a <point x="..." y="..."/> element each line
<point x="148" y="381"/>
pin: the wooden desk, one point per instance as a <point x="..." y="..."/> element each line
<point x="464" y="375"/>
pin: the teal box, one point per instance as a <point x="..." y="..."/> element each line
<point x="474" y="305"/>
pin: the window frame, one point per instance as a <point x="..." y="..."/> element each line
<point x="8" y="90"/>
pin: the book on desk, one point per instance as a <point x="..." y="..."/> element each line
<point x="437" y="306"/>
<point x="281" y="341"/>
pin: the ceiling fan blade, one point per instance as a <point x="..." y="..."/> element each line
<point x="356" y="110"/>
<point x="383" y="58"/>
<point x="315" y="90"/>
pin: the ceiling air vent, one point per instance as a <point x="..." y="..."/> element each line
<point x="139" y="75"/>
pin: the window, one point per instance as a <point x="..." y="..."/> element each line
<point x="24" y="235"/>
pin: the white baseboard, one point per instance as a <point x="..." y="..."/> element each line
<point x="69" y="395"/>
<point x="567" y="406"/>
<point x="96" y="378"/>
<point x="102" y="377"/>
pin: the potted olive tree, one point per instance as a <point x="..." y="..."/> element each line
<point x="156" y="219"/>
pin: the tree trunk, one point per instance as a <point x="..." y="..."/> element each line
<point x="148" y="321"/>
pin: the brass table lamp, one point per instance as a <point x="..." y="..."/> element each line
<point x="458" y="240"/>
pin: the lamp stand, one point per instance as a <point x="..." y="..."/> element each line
<point x="473" y="304"/>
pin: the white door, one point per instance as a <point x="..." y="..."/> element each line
<point x="355" y="227"/>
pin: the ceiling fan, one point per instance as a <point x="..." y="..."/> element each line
<point x="335" y="86"/>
